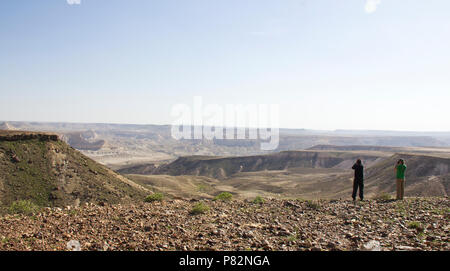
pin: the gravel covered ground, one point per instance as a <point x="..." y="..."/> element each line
<point x="412" y="224"/>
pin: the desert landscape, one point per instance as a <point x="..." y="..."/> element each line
<point x="311" y="169"/>
<point x="221" y="129"/>
<point x="287" y="200"/>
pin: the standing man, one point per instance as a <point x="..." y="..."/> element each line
<point x="358" y="182"/>
<point x="400" y="170"/>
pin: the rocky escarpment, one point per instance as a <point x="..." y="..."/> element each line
<point x="413" y="224"/>
<point x="40" y="168"/>
<point x="82" y="141"/>
<point x="23" y="136"/>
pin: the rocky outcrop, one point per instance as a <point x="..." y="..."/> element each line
<point x="19" y="136"/>
<point x="46" y="171"/>
<point x="84" y="141"/>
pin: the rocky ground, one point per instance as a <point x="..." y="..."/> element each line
<point x="413" y="224"/>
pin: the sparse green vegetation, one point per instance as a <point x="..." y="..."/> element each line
<point x="31" y="169"/>
<point x="258" y="200"/>
<point x="202" y="188"/>
<point x="154" y="197"/>
<point x="401" y="209"/>
<point x="32" y="180"/>
<point x="199" y="208"/>
<point x="361" y="202"/>
<point x="25" y="207"/>
<point x="445" y="211"/>
<point x="73" y="212"/>
<point x="224" y="196"/>
<point x="417" y="226"/>
<point x="7" y="240"/>
<point x="383" y="197"/>
<point x="292" y="237"/>
<point x="313" y="204"/>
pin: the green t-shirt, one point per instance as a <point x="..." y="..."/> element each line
<point x="401" y="171"/>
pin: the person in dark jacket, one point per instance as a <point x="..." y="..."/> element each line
<point x="358" y="182"/>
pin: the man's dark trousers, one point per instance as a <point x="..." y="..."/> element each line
<point x="358" y="184"/>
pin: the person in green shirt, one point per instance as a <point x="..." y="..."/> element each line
<point x="400" y="170"/>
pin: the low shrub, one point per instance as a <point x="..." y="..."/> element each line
<point x="416" y="225"/>
<point x="224" y="196"/>
<point x="384" y="197"/>
<point x="25" y="207"/>
<point x="199" y="208"/>
<point x="312" y="204"/>
<point x="154" y="197"/>
<point x="258" y="200"/>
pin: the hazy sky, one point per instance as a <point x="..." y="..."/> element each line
<point x="348" y="64"/>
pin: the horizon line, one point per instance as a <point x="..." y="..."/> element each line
<point x="224" y="127"/>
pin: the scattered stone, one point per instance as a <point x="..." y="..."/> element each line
<point x="405" y="248"/>
<point x="15" y="159"/>
<point x="228" y="226"/>
<point x="73" y="245"/>
<point x="372" y="246"/>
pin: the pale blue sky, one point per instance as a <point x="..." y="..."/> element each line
<point x="328" y="64"/>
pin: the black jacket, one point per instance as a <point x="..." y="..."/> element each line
<point x="359" y="172"/>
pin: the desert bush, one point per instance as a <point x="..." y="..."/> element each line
<point x="258" y="200"/>
<point x="199" y="208"/>
<point x="312" y="204"/>
<point x="224" y="196"/>
<point x="154" y="197"/>
<point x="416" y="225"/>
<point x="25" y="207"/>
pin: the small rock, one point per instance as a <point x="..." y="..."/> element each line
<point x="248" y="234"/>
<point x="372" y="246"/>
<point x="405" y="248"/>
<point x="267" y="245"/>
<point x="74" y="245"/>
<point x="331" y="245"/>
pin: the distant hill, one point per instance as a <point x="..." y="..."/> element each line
<point x="425" y="176"/>
<point x="7" y="126"/>
<point x="222" y="167"/>
<point x="355" y="148"/>
<point x="42" y="168"/>
<point x="79" y="140"/>
<point x="386" y="149"/>
<point x="145" y="169"/>
<point x="305" y="174"/>
<point x="293" y="142"/>
<point x="118" y="145"/>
